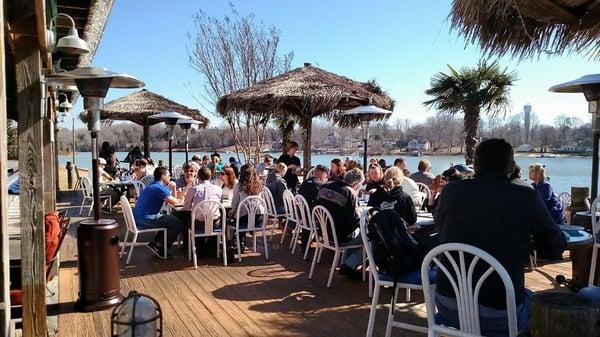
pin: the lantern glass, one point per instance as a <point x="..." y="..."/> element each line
<point x="137" y="316"/>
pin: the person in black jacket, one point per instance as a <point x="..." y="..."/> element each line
<point x="309" y="189"/>
<point x="341" y="200"/>
<point x="391" y="196"/>
<point x="375" y="180"/>
<point x="293" y="165"/>
<point x="491" y="213"/>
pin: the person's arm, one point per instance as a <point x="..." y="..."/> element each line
<point x="546" y="234"/>
<point x="171" y="200"/>
<point x="545" y="191"/>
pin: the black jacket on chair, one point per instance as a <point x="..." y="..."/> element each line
<point x="340" y="200"/>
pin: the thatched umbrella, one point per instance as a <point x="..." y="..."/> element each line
<point x="138" y="106"/>
<point x="305" y="92"/>
<point x="526" y="28"/>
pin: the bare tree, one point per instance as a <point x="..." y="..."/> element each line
<point x="234" y="53"/>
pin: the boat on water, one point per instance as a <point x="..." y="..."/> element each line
<point x="415" y="153"/>
<point x="544" y="155"/>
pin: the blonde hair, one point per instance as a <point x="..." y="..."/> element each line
<point x="393" y="177"/>
<point x="540" y="169"/>
<point x="281" y="168"/>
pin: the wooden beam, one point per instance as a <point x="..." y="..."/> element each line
<point x="48" y="159"/>
<point x="40" y="19"/>
<point x="4" y="258"/>
<point x="31" y="179"/>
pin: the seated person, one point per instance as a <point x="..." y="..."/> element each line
<point x="276" y="184"/>
<point x="249" y="185"/>
<point x="181" y="185"/>
<point x="491" y="213"/>
<point x="138" y="169"/>
<point x="146" y="211"/>
<point x="411" y="188"/>
<point x="265" y="165"/>
<point x="338" y="169"/>
<point x="215" y="165"/>
<point x="227" y="181"/>
<point x="309" y="189"/>
<point x="423" y="175"/>
<point x="401" y="163"/>
<point x="391" y="196"/>
<point x="235" y="165"/>
<point x="103" y="176"/>
<point x="340" y="197"/>
<point x="204" y="190"/>
<point x="375" y="179"/>
<point x="537" y="174"/>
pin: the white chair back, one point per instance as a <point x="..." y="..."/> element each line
<point x="209" y="210"/>
<point x="565" y="200"/>
<point x="289" y="204"/>
<point x="269" y="201"/>
<point x="425" y="189"/>
<point x="595" y="225"/>
<point x="128" y="215"/>
<point x="139" y="187"/>
<point x="321" y="218"/>
<point x="147" y="180"/>
<point x="86" y="187"/>
<point x="366" y="243"/>
<point x="304" y="216"/>
<point x="459" y="272"/>
<point x="254" y="205"/>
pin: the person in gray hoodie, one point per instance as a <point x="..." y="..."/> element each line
<point x="276" y="184"/>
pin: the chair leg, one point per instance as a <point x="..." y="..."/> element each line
<point x="370" y="283"/>
<point x="407" y="294"/>
<point x="388" y="329"/>
<point x="239" y="248"/>
<point x="190" y="238"/>
<point x="314" y="262"/>
<point x="593" y="266"/>
<point x="218" y="246"/>
<point x="124" y="244"/>
<point x="91" y="207"/>
<point x="373" y="312"/>
<point x="224" y="240"/>
<point x="165" y="243"/>
<point x="294" y="239"/>
<point x="310" y="238"/>
<point x="320" y="252"/>
<point x="254" y="241"/>
<point x="336" y="259"/>
<point x="364" y="265"/>
<point x="192" y="245"/>
<point x="82" y="205"/>
<point x="285" y="227"/>
<point x="264" y="234"/>
<point x="132" y="243"/>
<point x="274" y="223"/>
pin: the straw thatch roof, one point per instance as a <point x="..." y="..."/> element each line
<point x="306" y="92"/>
<point x="525" y="28"/>
<point x="138" y="106"/>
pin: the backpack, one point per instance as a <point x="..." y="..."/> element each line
<point x="394" y="249"/>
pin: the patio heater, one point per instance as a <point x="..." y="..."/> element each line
<point x="186" y="125"/>
<point x="97" y="239"/>
<point x="590" y="86"/>
<point x="170" y="118"/>
<point x="365" y="114"/>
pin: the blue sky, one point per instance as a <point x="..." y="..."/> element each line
<point x="401" y="44"/>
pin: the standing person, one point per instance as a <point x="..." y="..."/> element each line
<point x="391" y="196"/>
<point x="537" y="174"/>
<point x="340" y="197"/>
<point x="401" y="163"/>
<point x="147" y="211"/>
<point x="423" y="175"/>
<point x="338" y="169"/>
<point x="249" y="185"/>
<point x="276" y="184"/>
<point x="227" y="181"/>
<point x="500" y="223"/>
<point x="235" y="164"/>
<point x="375" y="179"/>
<point x="290" y="159"/>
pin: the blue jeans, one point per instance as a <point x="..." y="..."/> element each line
<point x="493" y="322"/>
<point x="173" y="225"/>
<point x="353" y="257"/>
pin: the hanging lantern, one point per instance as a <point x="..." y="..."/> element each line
<point x="138" y="315"/>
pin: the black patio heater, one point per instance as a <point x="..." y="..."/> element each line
<point x="365" y="114"/>
<point x="590" y="86"/>
<point x="186" y="125"/>
<point x="170" y="118"/>
<point x="97" y="239"/>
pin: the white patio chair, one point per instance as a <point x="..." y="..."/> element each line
<point x="322" y="218"/>
<point x="254" y="205"/>
<point x="271" y="213"/>
<point x="412" y="280"/>
<point x="291" y="213"/>
<point x="88" y="194"/>
<point x="459" y="271"/>
<point x="139" y="187"/>
<point x="211" y="210"/>
<point x="596" y="236"/>
<point x="424" y="189"/>
<point x="147" y="180"/>
<point x="304" y="222"/>
<point x="135" y="232"/>
<point x="565" y="201"/>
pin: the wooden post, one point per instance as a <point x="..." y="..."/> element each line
<point x="48" y="159"/>
<point x="4" y="260"/>
<point x="146" y="141"/>
<point x="307" y="143"/>
<point x="31" y="175"/>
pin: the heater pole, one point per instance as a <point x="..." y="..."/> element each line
<point x="171" y="153"/>
<point x="95" y="178"/>
<point x="186" y="145"/>
<point x="594" y="109"/>
<point x="74" y="142"/>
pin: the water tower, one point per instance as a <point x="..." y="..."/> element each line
<point x="527" y="116"/>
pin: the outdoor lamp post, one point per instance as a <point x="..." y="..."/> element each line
<point x="186" y="125"/>
<point x="366" y="113"/>
<point x="97" y="239"/>
<point x="170" y="118"/>
<point x="69" y="44"/>
<point x="138" y="315"/>
<point x="66" y="106"/>
<point x="590" y="86"/>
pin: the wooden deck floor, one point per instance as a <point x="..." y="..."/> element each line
<point x="252" y="298"/>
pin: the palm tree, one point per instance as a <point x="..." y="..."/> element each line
<point x="470" y="90"/>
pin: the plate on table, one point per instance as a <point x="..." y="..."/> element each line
<point x="570" y="228"/>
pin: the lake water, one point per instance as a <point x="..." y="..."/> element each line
<point x="563" y="172"/>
